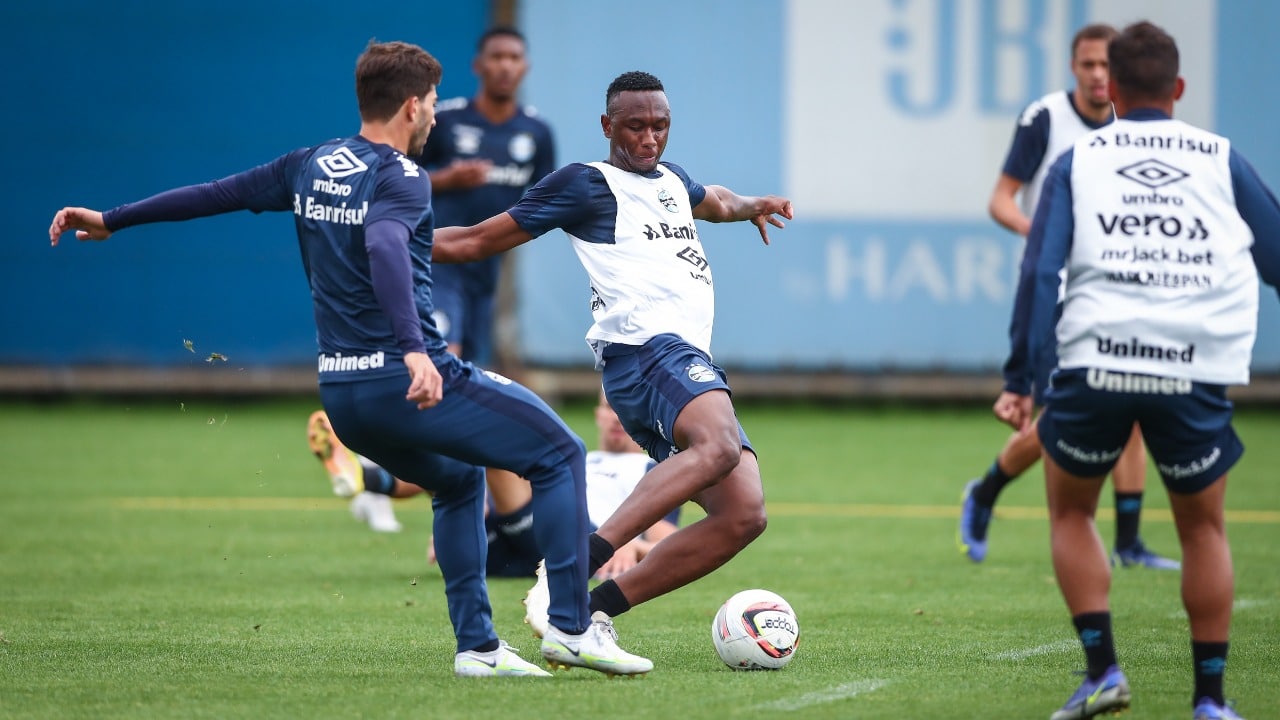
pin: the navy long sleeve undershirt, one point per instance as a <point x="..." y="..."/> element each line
<point x="387" y="242"/>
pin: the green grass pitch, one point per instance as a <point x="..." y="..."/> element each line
<point x="185" y="559"/>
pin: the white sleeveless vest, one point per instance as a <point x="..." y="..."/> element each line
<point x="654" y="278"/>
<point x="1065" y="127"/>
<point x="1160" y="277"/>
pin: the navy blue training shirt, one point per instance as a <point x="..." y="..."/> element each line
<point x="522" y="152"/>
<point x="364" y="222"/>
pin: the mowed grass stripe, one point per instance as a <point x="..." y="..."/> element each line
<point x="780" y="509"/>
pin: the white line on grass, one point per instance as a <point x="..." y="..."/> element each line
<point x="1237" y="606"/>
<point x="1053" y="647"/>
<point x="832" y="694"/>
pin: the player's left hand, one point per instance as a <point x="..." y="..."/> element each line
<point x="87" y="224"/>
<point x="426" y="387"/>
<point x="770" y="206"/>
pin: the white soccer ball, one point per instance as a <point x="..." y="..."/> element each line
<point x="755" y="630"/>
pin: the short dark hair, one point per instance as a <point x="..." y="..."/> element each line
<point x="499" y="31"/>
<point x="389" y="73"/>
<point x="628" y="81"/>
<point x="1096" y="31"/>
<point x="1144" y="62"/>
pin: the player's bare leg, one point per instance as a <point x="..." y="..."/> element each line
<point x="510" y="491"/>
<point x="1020" y="452"/>
<point x="735" y="517"/>
<point x="1079" y="557"/>
<point x="707" y="434"/>
<point x="1208" y="579"/>
<point x="710" y="468"/>
<point x="977" y="503"/>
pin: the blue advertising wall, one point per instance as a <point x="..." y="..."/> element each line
<point x="107" y="102"/>
<point x="884" y="120"/>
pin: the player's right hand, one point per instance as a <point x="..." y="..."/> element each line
<point x="426" y="387"/>
<point x="466" y="174"/>
<point x="1012" y="409"/>
<point x="87" y="224"/>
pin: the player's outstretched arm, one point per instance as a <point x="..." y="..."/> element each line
<point x="496" y="235"/>
<point x="723" y="205"/>
<point x="87" y="224"/>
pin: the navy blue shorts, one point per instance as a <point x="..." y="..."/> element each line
<point x="649" y="385"/>
<point x="1089" y="415"/>
<point x="484" y="420"/>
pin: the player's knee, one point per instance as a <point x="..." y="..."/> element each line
<point x="719" y="455"/>
<point x="748" y="524"/>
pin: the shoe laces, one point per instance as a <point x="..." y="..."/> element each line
<point x="605" y="625"/>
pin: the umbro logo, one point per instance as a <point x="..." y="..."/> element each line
<point x="341" y="163"/>
<point x="1152" y="173"/>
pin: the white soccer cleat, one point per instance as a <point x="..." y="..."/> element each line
<point x="596" y="649"/>
<point x="537" y="602"/>
<point x="375" y="510"/>
<point x="502" y="662"/>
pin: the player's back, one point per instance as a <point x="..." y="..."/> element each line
<point x="339" y="187"/>
<point x="1162" y="279"/>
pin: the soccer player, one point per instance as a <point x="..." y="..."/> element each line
<point x="393" y="392"/>
<point x="1045" y="129"/>
<point x="631" y="220"/>
<point x="1163" y="230"/>
<point x="484" y="153"/>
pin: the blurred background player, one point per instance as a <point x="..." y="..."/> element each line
<point x="613" y="471"/>
<point x="484" y="153"/>
<point x="1183" y="308"/>
<point x="1046" y="128"/>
